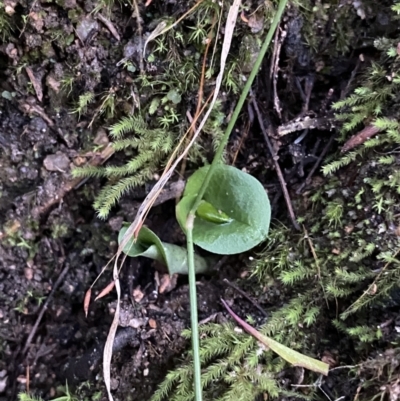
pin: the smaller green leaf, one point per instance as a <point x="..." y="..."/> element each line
<point x="172" y="256"/>
<point x="293" y="357"/>
<point x="208" y="212"/>
<point x="174" y="96"/>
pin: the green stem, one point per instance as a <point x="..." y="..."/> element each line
<point x="193" y="310"/>
<point x="191" y="215"/>
<point x="239" y="105"/>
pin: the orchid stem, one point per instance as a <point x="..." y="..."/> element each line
<point x="199" y="197"/>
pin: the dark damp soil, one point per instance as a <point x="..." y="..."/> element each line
<point x="51" y="238"/>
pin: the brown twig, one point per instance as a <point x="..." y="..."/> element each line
<point x="359" y="138"/>
<point x="308" y="87"/>
<point x="45" y="306"/>
<point x="139" y="34"/>
<point x="315" y="166"/>
<point x="310" y="244"/>
<point x="243" y="294"/>
<point x="35" y="83"/>
<point x="345" y="91"/>
<point x="199" y="96"/>
<point x="276" y="164"/>
<point x="241" y="141"/>
<point x="280" y="36"/>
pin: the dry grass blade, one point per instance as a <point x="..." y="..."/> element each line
<point x="107" y="353"/>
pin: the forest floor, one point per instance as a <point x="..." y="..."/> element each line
<point x="53" y="245"/>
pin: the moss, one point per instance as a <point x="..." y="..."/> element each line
<point x="157" y="120"/>
<point x="5" y="23"/>
<point x="338" y="279"/>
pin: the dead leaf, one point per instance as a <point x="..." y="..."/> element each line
<point x="86" y="301"/>
<point x="243" y="17"/>
<point x="137" y="294"/>
<point x="168" y="283"/>
<point x="107" y="353"/>
<point x="152" y="323"/>
<point x="106" y="290"/>
<point x="293" y="357"/>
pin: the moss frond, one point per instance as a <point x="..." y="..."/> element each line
<point x="111" y="194"/>
<point x="5" y="23"/>
<point x="127" y="124"/>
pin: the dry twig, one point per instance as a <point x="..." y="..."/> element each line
<point x="359" y="138"/>
<point x="280" y="36"/>
<point x="45" y="306"/>
<point x="140" y="34"/>
<point x="242" y="293"/>
<point x="109" y="25"/>
<point x="315" y="166"/>
<point x="35" y="83"/>
<point x="276" y="164"/>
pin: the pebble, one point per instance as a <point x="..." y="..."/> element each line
<point x="56" y="162"/>
<point x="85" y="27"/>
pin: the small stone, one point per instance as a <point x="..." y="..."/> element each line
<point x="57" y="162"/>
<point x="85" y="27"/>
<point x="136" y="322"/>
<point x="28" y="272"/>
<point x="70" y="4"/>
<point x="114" y="383"/>
<point x="53" y="83"/>
<point x="101" y="137"/>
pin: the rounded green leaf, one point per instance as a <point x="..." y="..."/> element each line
<point x="172" y="256"/>
<point x="240" y="198"/>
